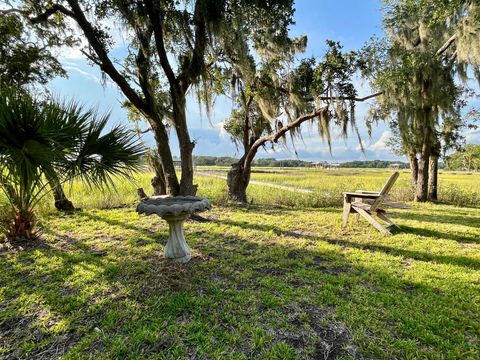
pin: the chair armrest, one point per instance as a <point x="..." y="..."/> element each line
<point x="367" y="192"/>
<point x="360" y="195"/>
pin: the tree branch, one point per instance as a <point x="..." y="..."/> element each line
<point x="325" y="98"/>
<point x="351" y="98"/>
<point x="446" y="45"/>
<point x="49" y="12"/>
<point x="277" y="135"/>
<point x="156" y="20"/>
<point x="104" y="62"/>
<point x="196" y="63"/>
<point x="13" y="11"/>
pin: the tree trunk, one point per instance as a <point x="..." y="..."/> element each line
<point x="412" y="159"/>
<point x="422" y="179"/>
<point x="433" y="178"/>
<point x="158" y="181"/>
<point x="421" y="193"/>
<point x="158" y="184"/>
<point x="61" y="201"/>
<point x="167" y="169"/>
<point x="21" y="226"/>
<point x="237" y="181"/>
<point x="186" y="145"/>
<point x="238" y="177"/>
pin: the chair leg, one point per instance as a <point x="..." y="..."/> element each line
<point x="387" y="220"/>
<point x="347" y="206"/>
<point x="372" y="221"/>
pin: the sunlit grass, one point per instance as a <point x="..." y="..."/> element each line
<point x="278" y="279"/>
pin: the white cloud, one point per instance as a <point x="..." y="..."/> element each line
<point x="85" y="74"/>
<point x="473" y="136"/>
<point x="381" y="144"/>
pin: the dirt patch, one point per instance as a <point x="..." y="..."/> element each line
<point x="20" y="327"/>
<point x="334" y="339"/>
<point x="164" y="343"/>
<point x="141" y="242"/>
<point x="316" y="332"/>
<point x="23" y="245"/>
<point x="56" y="349"/>
<point x="332" y="270"/>
<point x="249" y="249"/>
<point x="411" y="287"/>
<point x="295" y="255"/>
<point x="297" y="283"/>
<point x="407" y="263"/>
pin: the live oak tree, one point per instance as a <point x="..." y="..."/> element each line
<point x="171" y="46"/>
<point x="273" y="98"/>
<point x="460" y="24"/>
<point x="417" y="86"/>
<point x="449" y="135"/>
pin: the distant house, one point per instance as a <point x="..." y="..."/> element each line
<point x="324" y="165"/>
<point x="333" y="166"/>
<point x="395" y="166"/>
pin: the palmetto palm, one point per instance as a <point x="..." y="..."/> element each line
<point x="40" y="140"/>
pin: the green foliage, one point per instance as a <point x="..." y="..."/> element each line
<point x="227" y="161"/>
<point x="461" y="19"/>
<point x="275" y="91"/>
<point x="281" y="163"/>
<point x="24" y="59"/>
<point x="466" y="159"/>
<point x="214" y="160"/>
<point x="419" y="92"/>
<point x="45" y="139"/>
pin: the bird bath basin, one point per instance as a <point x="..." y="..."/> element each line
<point x="174" y="210"/>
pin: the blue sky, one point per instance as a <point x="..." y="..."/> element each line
<point x="352" y="22"/>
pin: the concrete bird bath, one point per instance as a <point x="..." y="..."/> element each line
<point x="174" y="210"/>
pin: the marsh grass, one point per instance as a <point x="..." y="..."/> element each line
<point x="461" y="189"/>
<point x="327" y="186"/>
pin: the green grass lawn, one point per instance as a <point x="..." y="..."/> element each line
<point x="264" y="282"/>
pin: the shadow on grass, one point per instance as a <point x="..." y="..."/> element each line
<point x="440" y="235"/>
<point x="470" y="221"/>
<point x="412" y="254"/>
<point x="219" y="302"/>
<point x="153" y="234"/>
<point x="417" y="255"/>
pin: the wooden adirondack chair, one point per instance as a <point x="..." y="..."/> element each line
<point x="369" y="205"/>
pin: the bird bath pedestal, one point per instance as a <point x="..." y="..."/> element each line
<point x="174" y="210"/>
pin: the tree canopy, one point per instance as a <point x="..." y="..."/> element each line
<point x="420" y="94"/>
<point x="172" y="46"/>
<point x="24" y="58"/>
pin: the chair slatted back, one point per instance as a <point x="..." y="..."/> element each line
<point x="385" y="190"/>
